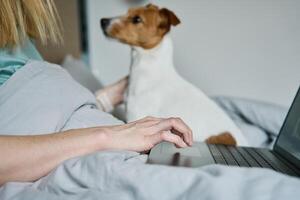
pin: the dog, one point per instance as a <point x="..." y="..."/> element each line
<point x="155" y="88"/>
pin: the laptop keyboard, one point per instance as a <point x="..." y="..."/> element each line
<point x="217" y="154"/>
<point x="258" y="158"/>
<point x="239" y="157"/>
<point x="251" y="157"/>
<point x="229" y="158"/>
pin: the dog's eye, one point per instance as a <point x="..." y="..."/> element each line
<point x="136" y="19"/>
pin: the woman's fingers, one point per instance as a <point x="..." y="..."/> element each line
<point x="155" y="130"/>
<point x="190" y="135"/>
<point x="168" y="137"/>
<point x="178" y="125"/>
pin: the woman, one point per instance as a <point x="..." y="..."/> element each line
<point x="28" y="148"/>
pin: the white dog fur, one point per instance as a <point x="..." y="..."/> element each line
<point x="156" y="89"/>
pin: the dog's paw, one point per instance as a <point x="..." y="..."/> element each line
<point x="224" y="138"/>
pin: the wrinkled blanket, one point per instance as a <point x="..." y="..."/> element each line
<point x="43" y="98"/>
<point x="259" y="121"/>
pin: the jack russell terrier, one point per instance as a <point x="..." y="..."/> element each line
<point x="155" y="88"/>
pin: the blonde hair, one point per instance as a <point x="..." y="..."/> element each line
<point x="34" y="18"/>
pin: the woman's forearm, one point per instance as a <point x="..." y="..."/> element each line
<point x="27" y="158"/>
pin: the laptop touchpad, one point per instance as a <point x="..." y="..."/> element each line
<point x="188" y="151"/>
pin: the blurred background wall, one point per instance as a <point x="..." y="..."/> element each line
<point x="244" y="48"/>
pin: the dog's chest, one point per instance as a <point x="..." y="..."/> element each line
<point x="143" y="86"/>
<point x="148" y="88"/>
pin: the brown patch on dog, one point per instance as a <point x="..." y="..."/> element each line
<point x="169" y="17"/>
<point x="144" y="26"/>
<point x="224" y="138"/>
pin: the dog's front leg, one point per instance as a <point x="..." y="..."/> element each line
<point x="112" y="95"/>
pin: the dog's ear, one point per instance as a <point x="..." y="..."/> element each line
<point x="171" y="18"/>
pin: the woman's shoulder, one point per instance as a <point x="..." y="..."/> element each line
<point x="40" y="97"/>
<point x="41" y="76"/>
<point x="50" y="75"/>
<point x="44" y="67"/>
<point x="55" y="77"/>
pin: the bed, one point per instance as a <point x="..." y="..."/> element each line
<point x="124" y="174"/>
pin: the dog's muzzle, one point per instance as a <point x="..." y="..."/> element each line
<point x="104" y="23"/>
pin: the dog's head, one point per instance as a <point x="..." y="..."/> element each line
<point x="144" y="26"/>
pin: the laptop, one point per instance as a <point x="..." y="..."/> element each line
<point x="284" y="157"/>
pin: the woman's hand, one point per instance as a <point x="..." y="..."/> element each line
<point x="144" y="134"/>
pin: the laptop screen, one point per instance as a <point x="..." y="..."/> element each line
<point x="289" y="136"/>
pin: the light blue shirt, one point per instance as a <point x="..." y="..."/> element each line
<point x="12" y="60"/>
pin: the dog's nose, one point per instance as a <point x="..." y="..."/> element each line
<point x="104" y="23"/>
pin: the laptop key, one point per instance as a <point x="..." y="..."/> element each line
<point x="276" y="163"/>
<point x="258" y="158"/>
<point x="216" y="154"/>
<point x="237" y="156"/>
<point x="251" y="161"/>
<point x="227" y="155"/>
